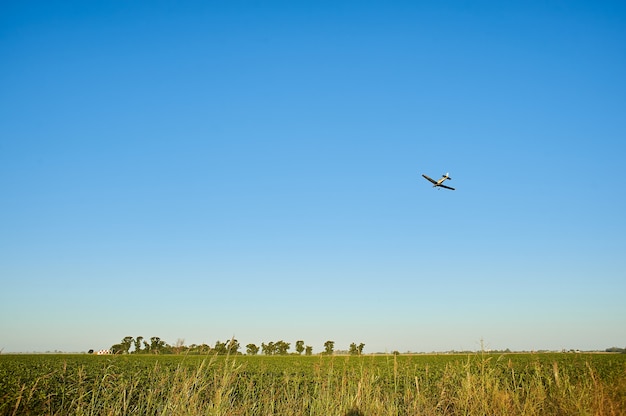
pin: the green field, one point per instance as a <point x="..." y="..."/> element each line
<point x="477" y="384"/>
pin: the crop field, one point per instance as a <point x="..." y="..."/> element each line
<point x="475" y="384"/>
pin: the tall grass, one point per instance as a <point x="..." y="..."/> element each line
<point x="351" y="386"/>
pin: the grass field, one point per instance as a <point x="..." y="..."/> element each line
<point x="479" y="384"/>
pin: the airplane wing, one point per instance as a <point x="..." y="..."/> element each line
<point x="427" y="178"/>
<point x="447" y="187"/>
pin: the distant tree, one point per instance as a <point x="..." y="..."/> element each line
<point x="268" y="349"/>
<point x="360" y="348"/>
<point x="220" y="348"/>
<point x="308" y="350"/>
<point x="126" y="343"/>
<point x="138" y="344"/>
<point x="199" y="349"/>
<point x="179" y="346"/>
<point x="166" y="349"/>
<point x="156" y="345"/>
<point x="232" y="347"/>
<point x="329" y="347"/>
<point x="299" y="347"/>
<point x="354" y="350"/>
<point x="282" y="347"/>
<point x="252" y="349"/>
<point x="116" y="349"/>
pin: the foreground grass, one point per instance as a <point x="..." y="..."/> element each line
<point x="551" y="384"/>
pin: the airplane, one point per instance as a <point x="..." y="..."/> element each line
<point x="439" y="183"/>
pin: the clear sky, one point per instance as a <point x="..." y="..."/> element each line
<point x="203" y="170"/>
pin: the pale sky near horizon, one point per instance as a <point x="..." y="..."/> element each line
<point x="204" y="170"/>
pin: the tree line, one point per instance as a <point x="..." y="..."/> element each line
<point x="155" y="345"/>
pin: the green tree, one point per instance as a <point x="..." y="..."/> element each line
<point x="329" y="347"/>
<point x="282" y="347"/>
<point x="299" y="347"/>
<point x="138" y="345"/>
<point x="156" y="344"/>
<point x="268" y="349"/>
<point x="252" y="349"/>
<point x="116" y="349"/>
<point x="199" y="349"/>
<point x="232" y="347"/>
<point x="126" y="343"/>
<point x="166" y="349"/>
<point x="308" y="350"/>
<point x="220" y="348"/>
<point x="354" y="350"/>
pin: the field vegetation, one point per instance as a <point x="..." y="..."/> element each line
<point x="471" y="384"/>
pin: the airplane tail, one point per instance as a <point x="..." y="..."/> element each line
<point x="447" y="176"/>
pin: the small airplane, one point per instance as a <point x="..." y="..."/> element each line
<point x="439" y="183"/>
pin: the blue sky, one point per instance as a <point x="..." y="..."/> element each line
<point x="252" y="169"/>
